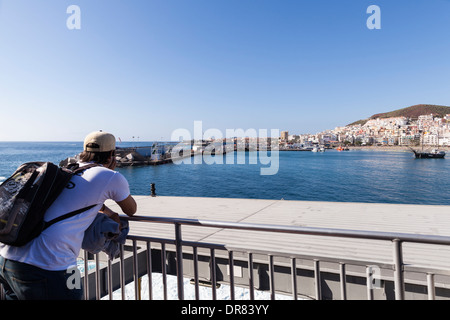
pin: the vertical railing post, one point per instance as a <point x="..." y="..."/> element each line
<point x="149" y="271"/>
<point x="343" y="281"/>
<point x="164" y="269"/>
<point x="271" y="278"/>
<point x="250" y="276"/>
<point x="231" y="271"/>
<point x="195" y="260"/>
<point x="137" y="288"/>
<point x="317" y="280"/>
<point x="369" y="282"/>
<point x="431" y="287"/>
<point x="179" y="253"/>
<point x="86" y="276"/>
<point x="213" y="274"/>
<point x="122" y="272"/>
<point x="97" y="277"/>
<point x="110" y="280"/>
<point x="294" y="278"/>
<point x="399" y="283"/>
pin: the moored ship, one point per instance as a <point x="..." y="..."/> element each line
<point x="433" y="154"/>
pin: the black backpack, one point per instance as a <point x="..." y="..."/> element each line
<point x="26" y="196"/>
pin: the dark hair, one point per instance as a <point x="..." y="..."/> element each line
<point x="98" y="157"/>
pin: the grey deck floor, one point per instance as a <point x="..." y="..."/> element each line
<point x="417" y="219"/>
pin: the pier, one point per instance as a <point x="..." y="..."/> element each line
<point x="316" y="250"/>
<point x="162" y="153"/>
<point x="142" y="156"/>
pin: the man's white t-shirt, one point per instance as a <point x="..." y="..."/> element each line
<point x="57" y="247"/>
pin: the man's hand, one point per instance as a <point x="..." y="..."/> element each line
<point x="111" y="214"/>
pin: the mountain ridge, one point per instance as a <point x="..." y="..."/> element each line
<point x="409" y="112"/>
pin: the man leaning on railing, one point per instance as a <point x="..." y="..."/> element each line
<point x="39" y="269"/>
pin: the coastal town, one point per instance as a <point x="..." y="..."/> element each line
<point x="426" y="130"/>
<point x="404" y="131"/>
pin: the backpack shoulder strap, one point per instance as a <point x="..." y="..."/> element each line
<point x="74" y="170"/>
<point x="67" y="215"/>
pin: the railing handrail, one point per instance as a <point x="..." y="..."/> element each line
<point x="331" y="232"/>
<point x="395" y="237"/>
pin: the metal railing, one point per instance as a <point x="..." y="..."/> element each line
<point x="397" y="265"/>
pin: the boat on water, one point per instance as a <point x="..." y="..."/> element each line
<point x="433" y="154"/>
<point x="341" y="148"/>
<point x="318" y="149"/>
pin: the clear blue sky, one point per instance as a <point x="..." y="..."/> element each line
<point x="145" y="68"/>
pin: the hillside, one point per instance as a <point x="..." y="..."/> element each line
<point x="410" y="112"/>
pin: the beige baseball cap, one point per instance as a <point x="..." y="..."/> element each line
<point x="99" y="141"/>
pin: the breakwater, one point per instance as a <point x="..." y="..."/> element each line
<point x="162" y="154"/>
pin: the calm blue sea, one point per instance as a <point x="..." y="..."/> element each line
<point x="351" y="176"/>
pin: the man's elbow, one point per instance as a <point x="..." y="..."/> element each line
<point x="131" y="212"/>
<point x="128" y="206"/>
<point x="132" y="209"/>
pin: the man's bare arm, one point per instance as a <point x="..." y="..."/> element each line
<point x="128" y="206"/>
